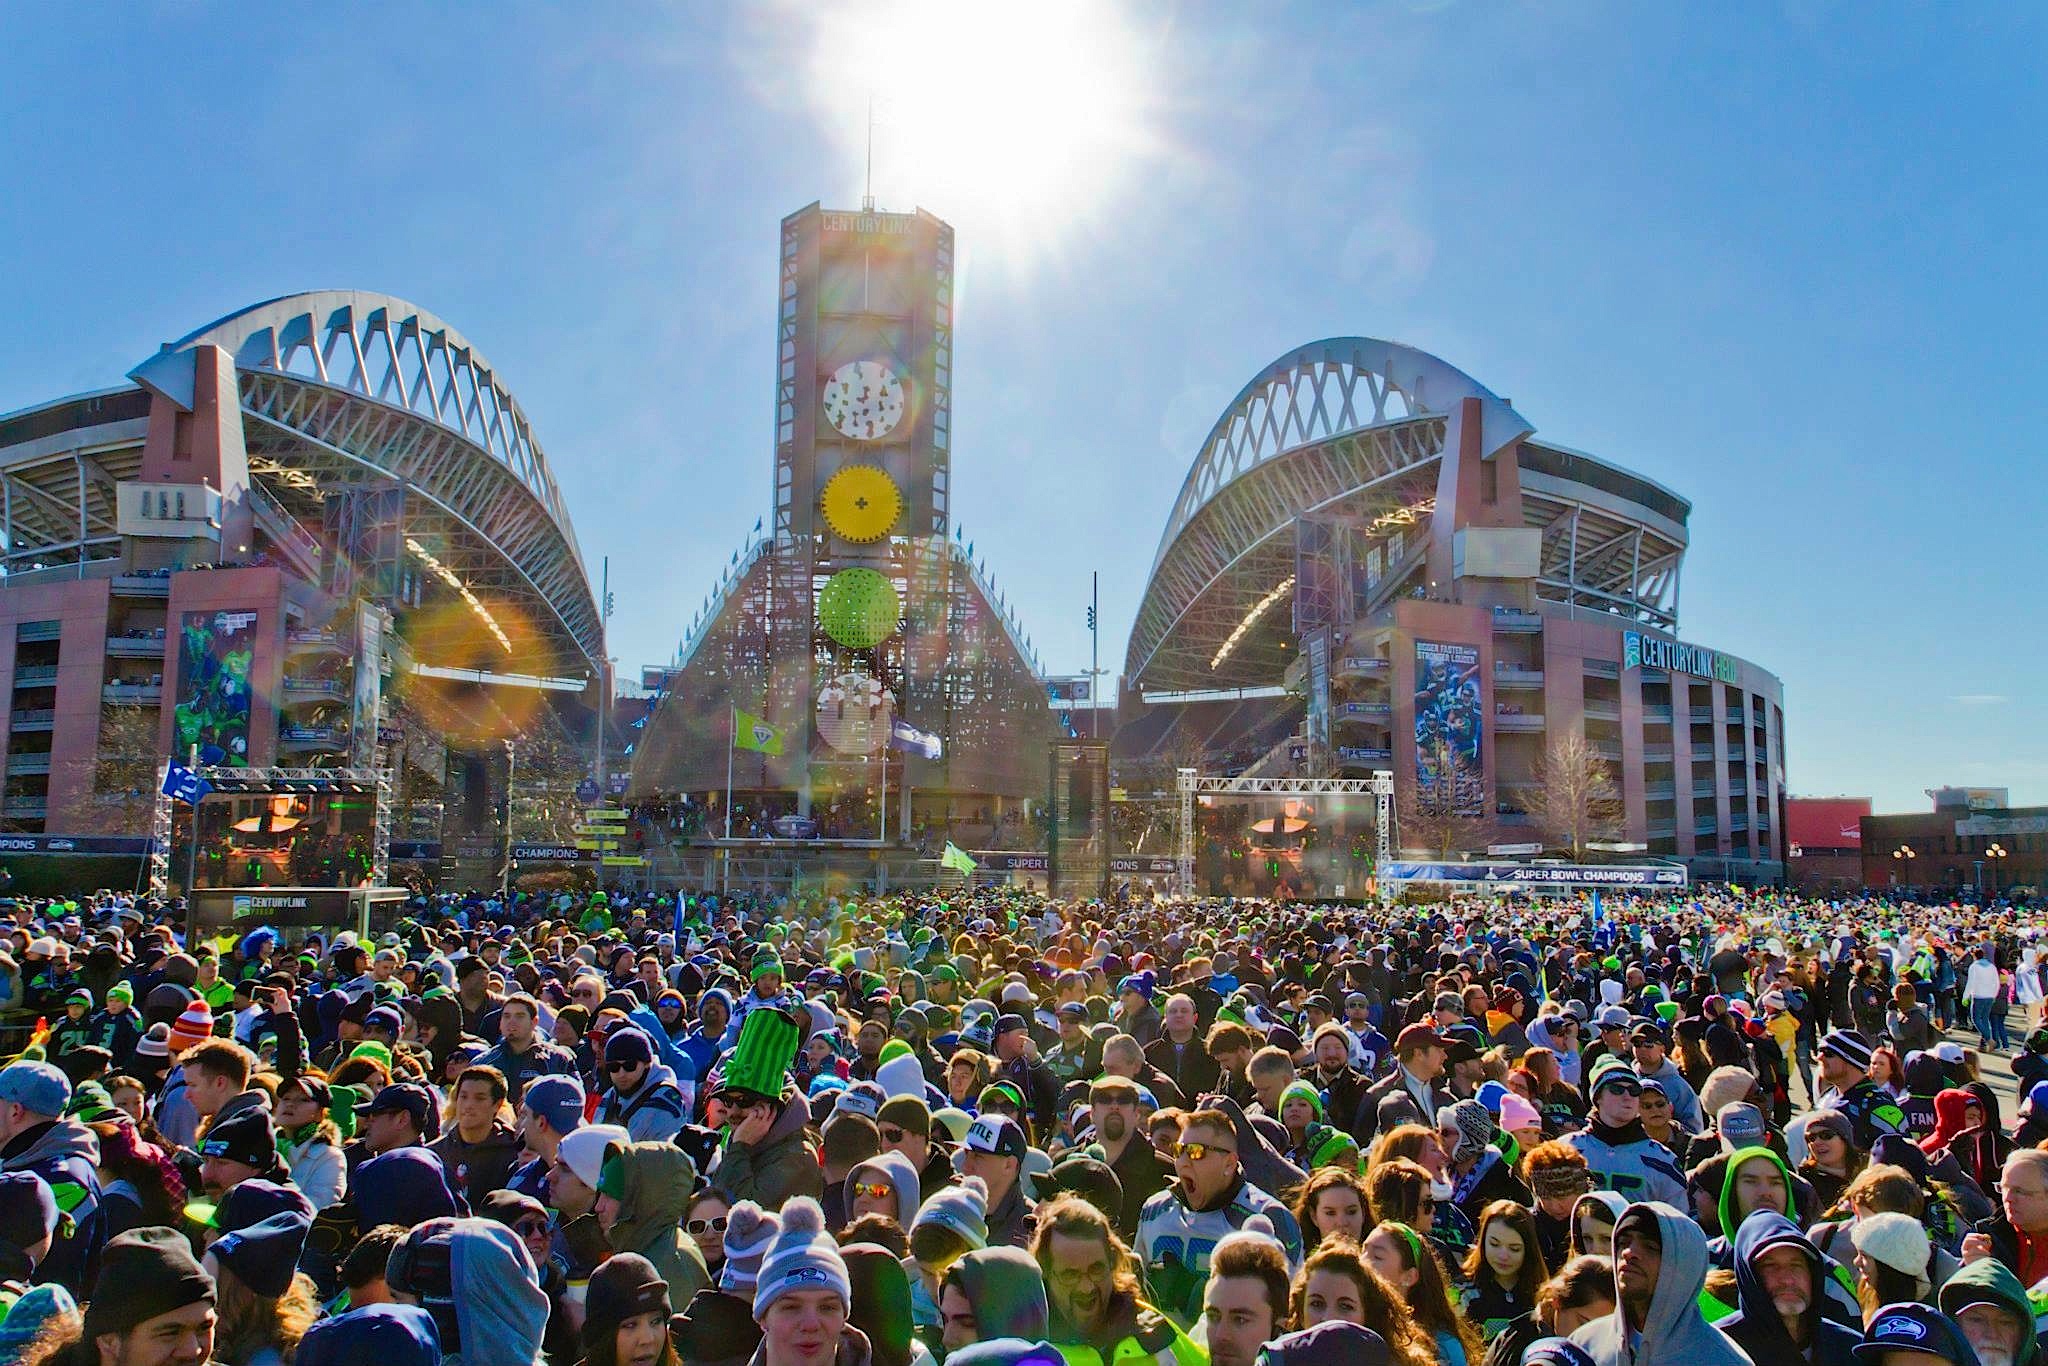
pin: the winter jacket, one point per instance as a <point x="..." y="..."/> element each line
<point x="541" y="1059"/>
<point x="318" y="1169"/>
<point x="499" y="1308"/>
<point x="1989" y="1279"/>
<point x="655" y="1113"/>
<point x="1136" y="1334"/>
<point x="658" y="1180"/>
<point x="1174" y="1241"/>
<point x="66" y="1155"/>
<point x="1755" y="1325"/>
<point x="780" y="1166"/>
<point x="476" y="1169"/>
<point x="1631" y="1163"/>
<point x="1673" y="1333"/>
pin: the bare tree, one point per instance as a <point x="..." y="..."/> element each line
<point x="549" y="765"/>
<point x="1577" y="799"/>
<point x="1443" y="811"/>
<point x="124" y="772"/>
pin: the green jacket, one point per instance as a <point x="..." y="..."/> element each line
<point x="1989" y="1280"/>
<point x="1141" y="1335"/>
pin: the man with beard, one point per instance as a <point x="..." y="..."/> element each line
<point x="1660" y="1266"/>
<point x="1076" y="1055"/>
<point x="1342" y="1084"/>
<point x="1091" y="1282"/>
<point x="1779" y="1291"/>
<point x="1987" y="1301"/>
<point x="1113" y="1110"/>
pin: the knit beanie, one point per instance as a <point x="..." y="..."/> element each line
<point x="1518" y="1113"/>
<point x="1475" y="1126"/>
<point x="749" y="1230"/>
<point x="624" y="1286"/>
<point x="157" y="1274"/>
<point x="802" y="1257"/>
<point x="194" y="1026"/>
<point x="912" y="1114"/>
<point x="156" y="1043"/>
<point x="1895" y="1240"/>
<point x="962" y="1208"/>
<point x="901" y="1075"/>
<point x="1301" y="1090"/>
<point x="121" y="991"/>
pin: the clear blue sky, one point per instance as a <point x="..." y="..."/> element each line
<point x="1785" y="259"/>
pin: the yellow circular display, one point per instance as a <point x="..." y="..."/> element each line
<point x="861" y="504"/>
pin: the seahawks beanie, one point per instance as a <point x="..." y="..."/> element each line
<point x="962" y="1208"/>
<point x="802" y="1257"/>
<point x="749" y="1230"/>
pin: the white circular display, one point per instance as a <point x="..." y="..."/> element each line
<point x="864" y="400"/>
<point x="853" y="713"/>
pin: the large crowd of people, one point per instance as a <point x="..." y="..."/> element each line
<point x="984" y="1127"/>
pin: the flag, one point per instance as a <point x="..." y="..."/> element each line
<point x="750" y="732"/>
<point x="184" y="785"/>
<point x="911" y="740"/>
<point x="956" y="857"/>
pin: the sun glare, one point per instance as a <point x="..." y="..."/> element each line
<point x="1017" y="122"/>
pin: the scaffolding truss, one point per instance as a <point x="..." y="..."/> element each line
<point x="1190" y="783"/>
<point x="266" y="782"/>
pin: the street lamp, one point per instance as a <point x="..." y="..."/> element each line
<point x="1994" y="853"/>
<point x="1905" y="854"/>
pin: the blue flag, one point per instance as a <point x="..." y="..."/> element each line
<point x="182" y="784"/>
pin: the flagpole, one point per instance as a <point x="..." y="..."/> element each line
<point x="882" y="812"/>
<point x="732" y="739"/>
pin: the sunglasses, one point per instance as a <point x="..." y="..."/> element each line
<point x="1626" y="1088"/>
<point x="892" y="1134"/>
<point x="621" y="1066"/>
<point x="1195" y="1152"/>
<point x="872" y="1190"/>
<point x="530" y="1228"/>
<point x="697" y="1226"/>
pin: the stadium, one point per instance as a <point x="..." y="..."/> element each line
<point x="1375" y="563"/>
<point x="318" y="533"/>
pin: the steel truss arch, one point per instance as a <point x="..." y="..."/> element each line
<point x="403" y="394"/>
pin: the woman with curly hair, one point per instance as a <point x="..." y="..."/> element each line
<point x="1405" y="1260"/>
<point x="1336" y="1285"/>
<point x="1333" y="1204"/>
<point x="141" y="1184"/>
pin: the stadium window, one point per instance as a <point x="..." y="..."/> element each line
<point x="1489" y="482"/>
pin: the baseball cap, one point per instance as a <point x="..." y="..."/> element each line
<point x="997" y="1134"/>
<point x="1949" y="1051"/>
<point x="1418" y="1036"/>
<point x="1009" y="1024"/>
<point x="558" y="1100"/>
<point x="247" y="1138"/>
<point x="1613" y="1017"/>
<point x="1074" y="1009"/>
<point x="405" y="1097"/>
<point x="250" y="1202"/>
<point x="1741" y="1125"/>
<point x="37" y="1087"/>
<point x="1913" y="1328"/>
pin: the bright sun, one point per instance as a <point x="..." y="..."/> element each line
<point x="1017" y="122"/>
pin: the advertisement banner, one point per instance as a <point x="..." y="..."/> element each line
<point x="1317" y="643"/>
<point x="215" y="653"/>
<point x="1449" y="729"/>
<point x="1543" y="874"/>
<point x="369" y="689"/>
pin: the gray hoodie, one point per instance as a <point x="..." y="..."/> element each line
<point x="1674" y="1333"/>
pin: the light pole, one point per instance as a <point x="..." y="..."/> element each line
<point x="1905" y="854"/>
<point x="1994" y="853"/>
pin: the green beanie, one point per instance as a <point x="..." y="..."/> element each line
<point x="765" y="965"/>
<point x="1301" y="1090"/>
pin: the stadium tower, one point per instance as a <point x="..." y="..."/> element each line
<point x="858" y="615"/>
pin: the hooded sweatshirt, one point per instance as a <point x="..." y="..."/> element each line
<point x="66" y="1155"/>
<point x="658" y="1180"/>
<point x="1988" y="1279"/>
<point x="499" y="1306"/>
<point x="1755" y="1326"/>
<point x="781" y="1166"/>
<point x="1007" y="1291"/>
<point x="894" y="1168"/>
<point x="1673" y="1333"/>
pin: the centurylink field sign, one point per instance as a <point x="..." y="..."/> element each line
<point x="1639" y="651"/>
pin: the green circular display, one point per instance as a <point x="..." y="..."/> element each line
<point x="859" y="608"/>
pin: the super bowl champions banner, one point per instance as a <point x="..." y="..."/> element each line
<point x="1449" y="725"/>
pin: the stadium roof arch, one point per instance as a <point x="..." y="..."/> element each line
<point x="344" y="387"/>
<point x="1355" y="427"/>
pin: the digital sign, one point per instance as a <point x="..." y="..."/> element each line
<point x="1639" y="651"/>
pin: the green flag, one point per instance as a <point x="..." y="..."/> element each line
<point x="752" y="733"/>
<point x="956" y="857"/>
